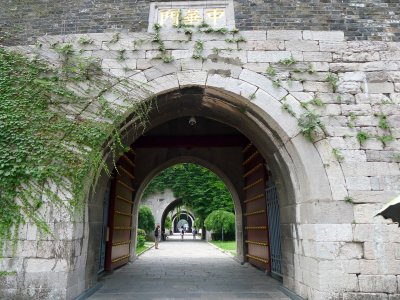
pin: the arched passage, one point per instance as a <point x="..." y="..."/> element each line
<point x="169" y="209"/>
<point x="286" y="154"/>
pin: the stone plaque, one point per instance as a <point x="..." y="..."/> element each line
<point x="217" y="14"/>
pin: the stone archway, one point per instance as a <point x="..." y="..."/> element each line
<point x="286" y="152"/>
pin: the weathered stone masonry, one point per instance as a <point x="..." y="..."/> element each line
<point x="334" y="249"/>
<point x="22" y="22"/>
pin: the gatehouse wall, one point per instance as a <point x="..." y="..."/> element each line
<point x="334" y="246"/>
<point x="21" y="22"/>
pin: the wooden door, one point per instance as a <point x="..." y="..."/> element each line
<point x="255" y="216"/>
<point x="119" y="241"/>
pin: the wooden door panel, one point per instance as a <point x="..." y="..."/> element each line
<point x="120" y="215"/>
<point x="255" y="216"/>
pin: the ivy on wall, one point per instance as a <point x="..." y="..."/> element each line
<point x="54" y="126"/>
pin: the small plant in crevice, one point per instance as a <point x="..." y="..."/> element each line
<point x="349" y="200"/>
<point x="137" y="43"/>
<point x="127" y="69"/>
<point x="287" y="61"/>
<point x="317" y="102"/>
<point x="362" y="137"/>
<point x="288" y="108"/>
<point x="121" y="55"/>
<point x="198" y="50"/>
<point x="304" y="104"/>
<point x="252" y="96"/>
<point x="85" y="40"/>
<point x="115" y="38"/>
<point x="352" y="119"/>
<point x="383" y="124"/>
<point x="338" y="154"/>
<point x="383" y="121"/>
<point x="189" y="33"/>
<point x="216" y="50"/>
<point x="271" y="71"/>
<point x="310" y="69"/>
<point x="64" y="49"/>
<point x="311" y="125"/>
<point x="396" y="157"/>
<point x="385" y="138"/>
<point x="167" y="58"/>
<point x="333" y="80"/>
<point x="236" y="40"/>
<point x="276" y="83"/>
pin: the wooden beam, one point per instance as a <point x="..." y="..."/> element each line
<point x="190" y="141"/>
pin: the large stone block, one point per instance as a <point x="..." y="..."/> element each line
<point x="381" y="87"/>
<point x="327" y="232"/>
<point x="317" y="86"/>
<point x="336" y="281"/>
<point x="254" y="35"/>
<point x="332" y="250"/>
<point x="332" y="46"/>
<point x="356" y="57"/>
<point x="323" y="35"/>
<point x="299" y="45"/>
<point x="222" y="68"/>
<point x="318" y="56"/>
<point x="390" y="55"/>
<point x="161" y="69"/>
<point x="268" y="56"/>
<point x="164" y="84"/>
<point x="365" y="296"/>
<point x="378" y="283"/>
<point x="192" y="78"/>
<point x="370" y="169"/>
<point x="372" y="196"/>
<point x="284" y="34"/>
<point x="233" y="85"/>
<point x="264" y="45"/>
<point x="264" y="83"/>
<point x="350" y="87"/>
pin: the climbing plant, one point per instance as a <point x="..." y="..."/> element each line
<point x="55" y="123"/>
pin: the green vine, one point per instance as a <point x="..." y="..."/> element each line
<point x="167" y="58"/>
<point x="198" y="50"/>
<point x="54" y="125"/>
<point x="311" y="125"/>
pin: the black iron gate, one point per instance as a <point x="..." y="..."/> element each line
<point x="274" y="231"/>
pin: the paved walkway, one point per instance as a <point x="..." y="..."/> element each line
<point x="187" y="270"/>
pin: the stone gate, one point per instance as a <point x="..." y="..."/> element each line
<point x="258" y="82"/>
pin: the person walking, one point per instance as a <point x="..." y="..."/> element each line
<point x="182" y="233"/>
<point x="157" y="236"/>
<point x="194" y="232"/>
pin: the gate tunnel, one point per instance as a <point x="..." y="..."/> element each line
<point x="226" y="128"/>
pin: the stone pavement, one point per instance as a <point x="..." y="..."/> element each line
<point x="187" y="270"/>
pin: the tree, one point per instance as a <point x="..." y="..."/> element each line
<point x="146" y="219"/>
<point x="221" y="221"/>
<point x="199" y="188"/>
<point x="168" y="223"/>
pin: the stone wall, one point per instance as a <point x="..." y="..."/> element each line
<point x="336" y="248"/>
<point x="23" y="21"/>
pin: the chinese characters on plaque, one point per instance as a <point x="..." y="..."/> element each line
<point x="214" y="17"/>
